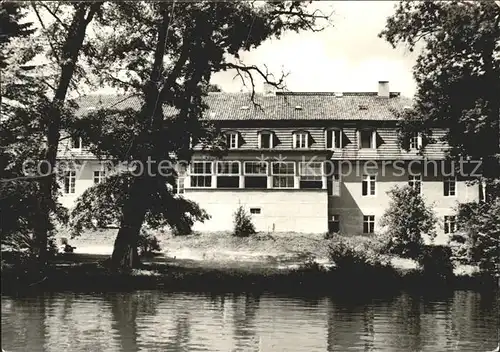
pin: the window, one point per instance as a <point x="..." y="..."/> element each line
<point x="69" y="182"/>
<point x="415" y="140"/>
<point x="311" y="175"/>
<point x="77" y="143"/>
<point x="450" y="186"/>
<point x="99" y="176"/>
<point x="334" y="224"/>
<point x="415" y="182"/>
<point x="254" y="210"/>
<point x="255" y="174"/>
<point x="301" y="140"/>
<point x="266" y="140"/>
<point x="283" y="174"/>
<point x="368" y="185"/>
<point x="201" y="174"/>
<point x="180" y="181"/>
<point x="228" y="174"/>
<point x="333" y="180"/>
<point x="450" y="224"/>
<point x="367" y="139"/>
<point x="334" y="139"/>
<point x="232" y="140"/>
<point x="369" y="224"/>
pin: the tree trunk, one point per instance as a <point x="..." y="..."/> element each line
<point x="125" y="254"/>
<point x="69" y="57"/>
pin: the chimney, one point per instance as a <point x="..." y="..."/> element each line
<point x="269" y="89"/>
<point x="383" y="89"/>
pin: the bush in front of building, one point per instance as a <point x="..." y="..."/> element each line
<point x="243" y="226"/>
<point x="406" y="221"/>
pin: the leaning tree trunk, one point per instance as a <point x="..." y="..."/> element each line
<point x="125" y="254"/>
<point x="70" y="52"/>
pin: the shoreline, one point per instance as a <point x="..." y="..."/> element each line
<point x="220" y="262"/>
<point x="92" y="276"/>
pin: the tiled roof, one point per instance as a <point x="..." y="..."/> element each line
<point x="282" y="106"/>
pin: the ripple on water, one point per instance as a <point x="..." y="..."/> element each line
<point x="159" y="321"/>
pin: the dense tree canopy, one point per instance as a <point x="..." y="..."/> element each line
<point x="457" y="73"/>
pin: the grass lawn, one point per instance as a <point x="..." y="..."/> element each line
<point x="222" y="249"/>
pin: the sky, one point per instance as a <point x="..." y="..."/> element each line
<point x="347" y="57"/>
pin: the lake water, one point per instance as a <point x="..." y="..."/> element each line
<point x="162" y="321"/>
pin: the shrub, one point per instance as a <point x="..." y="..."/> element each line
<point x="243" y="226"/>
<point x="407" y="219"/>
<point x="436" y="261"/>
<point x="478" y="238"/>
<point x="148" y="244"/>
<point x="347" y="256"/>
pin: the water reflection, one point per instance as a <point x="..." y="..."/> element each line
<point x="159" y="321"/>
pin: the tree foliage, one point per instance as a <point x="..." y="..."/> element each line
<point x="35" y="107"/>
<point x="163" y="56"/>
<point x="478" y="234"/>
<point x="407" y="220"/>
<point x="457" y="74"/>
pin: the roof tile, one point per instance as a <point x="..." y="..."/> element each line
<point x="282" y="106"/>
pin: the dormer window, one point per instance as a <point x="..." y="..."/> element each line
<point x="416" y="140"/>
<point x="266" y="140"/>
<point x="334" y="139"/>
<point x="77" y="143"/>
<point x="300" y="140"/>
<point x="367" y="139"/>
<point x="232" y="140"/>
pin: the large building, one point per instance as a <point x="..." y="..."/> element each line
<point x="303" y="162"/>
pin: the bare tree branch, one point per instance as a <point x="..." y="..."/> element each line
<point x="45" y="6"/>
<point x="247" y="70"/>
<point x="33" y="5"/>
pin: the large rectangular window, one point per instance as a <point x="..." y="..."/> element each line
<point x="450" y="224"/>
<point x="368" y="185"/>
<point x="415" y="182"/>
<point x="450" y="186"/>
<point x="201" y="174"/>
<point x="283" y="174"/>
<point x="369" y="224"/>
<point x="311" y="174"/>
<point x="228" y="174"/>
<point x="255" y="174"/>
<point x="69" y="181"/>
<point x="99" y="176"/>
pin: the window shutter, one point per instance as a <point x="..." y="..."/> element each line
<point x="239" y="139"/>
<point x="294" y="140"/>
<point x="259" y="140"/>
<point x="419" y="140"/>
<point x="358" y="137"/>
<point x="374" y="139"/>
<point x="309" y="140"/>
<point x="274" y="140"/>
